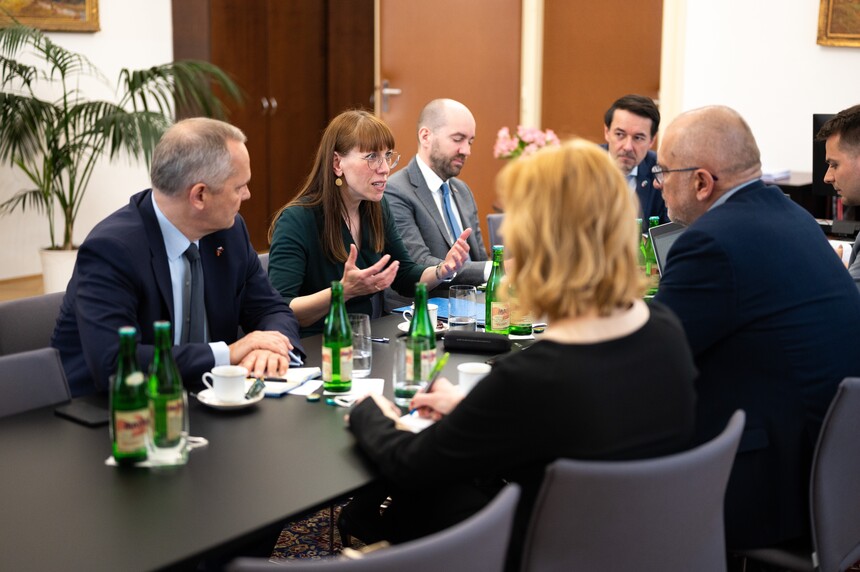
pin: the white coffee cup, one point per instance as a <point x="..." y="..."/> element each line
<point x="470" y="373"/>
<point x="433" y="309"/>
<point x="227" y="382"/>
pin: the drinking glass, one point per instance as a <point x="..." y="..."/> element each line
<point x="362" y="350"/>
<point x="407" y="351"/>
<point x="463" y="308"/>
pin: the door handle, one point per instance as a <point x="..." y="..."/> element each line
<point x="264" y="103"/>
<point x="273" y="104"/>
<point x="386" y="92"/>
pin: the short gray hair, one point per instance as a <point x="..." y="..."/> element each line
<point x="193" y="151"/>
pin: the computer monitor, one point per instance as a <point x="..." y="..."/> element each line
<point x="819" y="166"/>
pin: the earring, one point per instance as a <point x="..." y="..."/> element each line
<point x="338" y="182"/>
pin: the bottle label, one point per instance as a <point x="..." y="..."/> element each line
<point x="427" y="359"/>
<point x="500" y="316"/>
<point x="326" y="364"/>
<point x="518" y="316"/>
<point x="130" y="429"/>
<point x="345" y="363"/>
<point x="175" y="418"/>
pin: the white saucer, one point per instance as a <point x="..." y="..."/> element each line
<point x="207" y="397"/>
<point x="440" y="327"/>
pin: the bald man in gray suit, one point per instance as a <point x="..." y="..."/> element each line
<point x="417" y="197"/>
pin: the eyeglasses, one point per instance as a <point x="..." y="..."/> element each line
<point x="658" y="171"/>
<point x="374" y="160"/>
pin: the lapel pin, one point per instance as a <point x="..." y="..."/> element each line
<point x="219" y="251"/>
<point x="644" y="184"/>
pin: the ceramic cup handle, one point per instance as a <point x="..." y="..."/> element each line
<point x="207" y="381"/>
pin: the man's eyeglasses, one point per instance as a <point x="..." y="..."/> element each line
<point x="659" y="171"/>
<point x="374" y="160"/>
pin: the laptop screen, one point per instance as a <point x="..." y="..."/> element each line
<point x="662" y="238"/>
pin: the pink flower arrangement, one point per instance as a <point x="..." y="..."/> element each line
<point x="525" y="142"/>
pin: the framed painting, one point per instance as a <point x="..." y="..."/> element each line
<point x="839" y="23"/>
<point x="53" y="15"/>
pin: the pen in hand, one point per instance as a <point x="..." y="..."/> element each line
<point x="434" y="374"/>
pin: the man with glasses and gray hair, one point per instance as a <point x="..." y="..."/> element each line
<point x="431" y="206"/>
<point x="768" y="310"/>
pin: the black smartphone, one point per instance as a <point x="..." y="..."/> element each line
<point x="84" y="413"/>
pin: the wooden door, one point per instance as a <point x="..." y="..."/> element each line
<point x="468" y="51"/>
<point x="245" y="57"/>
<point x="296" y="71"/>
<point x="595" y="52"/>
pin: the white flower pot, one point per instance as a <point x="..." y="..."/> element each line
<point x="57" y="268"/>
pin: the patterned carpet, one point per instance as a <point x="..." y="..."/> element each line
<point x="309" y="538"/>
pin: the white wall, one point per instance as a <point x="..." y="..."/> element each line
<point x="760" y="57"/>
<point x="134" y="34"/>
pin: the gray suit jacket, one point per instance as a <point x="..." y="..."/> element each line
<point x="421" y="225"/>
<point x="424" y="232"/>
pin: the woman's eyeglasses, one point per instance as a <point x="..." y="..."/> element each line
<point x="374" y="160"/>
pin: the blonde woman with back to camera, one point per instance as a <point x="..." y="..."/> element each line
<point x="612" y="378"/>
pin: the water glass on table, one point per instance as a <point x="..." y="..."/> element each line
<point x="463" y="308"/>
<point x="413" y="360"/>
<point x="362" y="350"/>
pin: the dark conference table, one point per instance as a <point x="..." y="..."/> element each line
<point x="63" y="508"/>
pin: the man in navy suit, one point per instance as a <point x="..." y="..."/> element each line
<point x="629" y="127"/>
<point x="446" y="130"/>
<point x="131" y="269"/>
<point x="770" y="313"/>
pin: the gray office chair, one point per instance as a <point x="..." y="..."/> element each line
<point x="264" y="261"/>
<point x="834" y="497"/>
<point x="478" y="543"/>
<point x="27" y="323"/>
<point x="494" y="222"/>
<point x="33" y="379"/>
<point x="654" y="514"/>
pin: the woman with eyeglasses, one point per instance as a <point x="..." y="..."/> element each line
<point x="339" y="227"/>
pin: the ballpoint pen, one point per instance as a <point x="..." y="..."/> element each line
<point x="379" y="340"/>
<point x="434" y="374"/>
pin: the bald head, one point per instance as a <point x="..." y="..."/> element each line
<point x="717" y="139"/>
<point x="440" y="112"/>
<point x="705" y="153"/>
<point x="446" y="130"/>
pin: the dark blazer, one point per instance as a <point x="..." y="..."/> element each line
<point x="421" y="226"/>
<point x="773" y="319"/>
<point x="122" y="278"/>
<point x="650" y="199"/>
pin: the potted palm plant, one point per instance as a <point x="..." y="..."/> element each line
<point x="56" y="141"/>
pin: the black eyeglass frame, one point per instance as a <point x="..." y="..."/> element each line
<point x="658" y="171"/>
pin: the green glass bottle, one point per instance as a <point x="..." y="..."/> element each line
<point x="337" y="344"/>
<point x="422" y="342"/>
<point x="129" y="405"/>
<point x="648" y="248"/>
<point x="166" y="399"/>
<point x="521" y="319"/>
<point x="497" y="318"/>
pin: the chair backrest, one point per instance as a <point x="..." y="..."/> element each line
<point x="264" y="260"/>
<point x="494" y="222"/>
<point x="834" y="489"/>
<point x="28" y="323"/>
<point x="478" y="543"/>
<point x="33" y="379"/>
<point x="653" y="514"/>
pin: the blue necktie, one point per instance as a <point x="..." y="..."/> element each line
<point x="456" y="231"/>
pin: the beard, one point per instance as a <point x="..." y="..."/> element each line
<point x="443" y="166"/>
